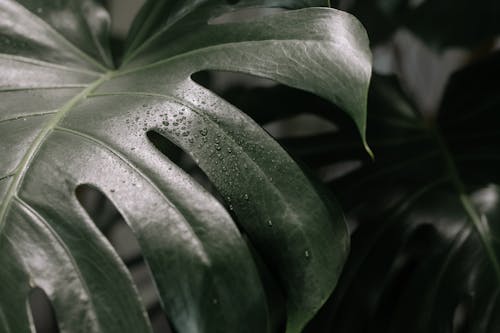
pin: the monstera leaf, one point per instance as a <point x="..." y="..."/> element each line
<point x="69" y="116"/>
<point x="426" y="246"/>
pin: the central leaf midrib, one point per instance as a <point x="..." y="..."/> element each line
<point x="35" y="146"/>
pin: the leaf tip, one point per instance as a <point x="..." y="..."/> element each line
<point x="368" y="150"/>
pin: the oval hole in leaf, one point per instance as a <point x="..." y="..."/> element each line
<point x="42" y="312"/>
<point x="223" y="82"/>
<point x="183" y="161"/>
<point x="279" y="109"/>
<point x="266" y="101"/>
<point x="186" y="163"/>
<point x="302" y="125"/>
<point x="111" y="223"/>
<point x="99" y="208"/>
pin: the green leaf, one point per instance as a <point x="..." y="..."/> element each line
<point x="68" y="118"/>
<point x="425" y="253"/>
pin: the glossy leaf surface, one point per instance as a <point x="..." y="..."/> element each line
<point x="68" y="117"/>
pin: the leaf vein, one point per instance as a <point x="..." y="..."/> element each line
<point x="30" y="115"/>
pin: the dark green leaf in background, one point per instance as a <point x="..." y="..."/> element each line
<point x="440" y="23"/>
<point x="426" y="247"/>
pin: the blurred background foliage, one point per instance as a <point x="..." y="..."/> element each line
<point x="417" y="45"/>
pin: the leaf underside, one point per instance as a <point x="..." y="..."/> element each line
<point x="68" y="117"/>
